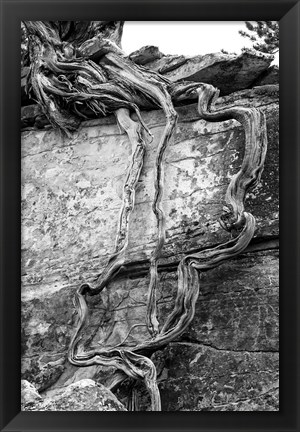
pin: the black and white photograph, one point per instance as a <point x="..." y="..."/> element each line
<point x="150" y="216"/>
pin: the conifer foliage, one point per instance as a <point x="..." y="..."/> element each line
<point x="263" y="34"/>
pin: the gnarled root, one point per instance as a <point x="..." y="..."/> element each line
<point x="135" y="135"/>
<point x="254" y="123"/>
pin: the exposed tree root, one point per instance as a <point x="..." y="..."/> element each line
<point x="68" y="85"/>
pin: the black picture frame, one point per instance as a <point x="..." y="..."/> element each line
<point x="288" y="13"/>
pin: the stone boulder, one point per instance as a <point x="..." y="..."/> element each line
<point x="228" y="72"/>
<point x="29" y="395"/>
<point x="268" y="77"/>
<point x="84" y="395"/>
<point x="146" y="54"/>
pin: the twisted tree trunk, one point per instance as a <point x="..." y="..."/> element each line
<point x="77" y="71"/>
